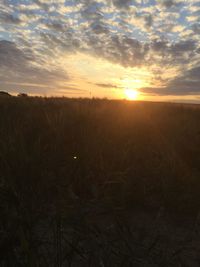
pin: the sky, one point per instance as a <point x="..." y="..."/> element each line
<point x="135" y="49"/>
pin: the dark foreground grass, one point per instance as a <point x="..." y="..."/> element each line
<point x="99" y="183"/>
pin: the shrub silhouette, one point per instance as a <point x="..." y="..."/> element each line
<point x="22" y="95"/>
<point x="4" y="94"/>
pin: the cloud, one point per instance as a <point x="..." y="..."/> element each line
<point x="9" y="18"/>
<point x="196" y="28"/>
<point x="18" y="68"/>
<point x="56" y="26"/>
<point x="177" y="53"/>
<point x="107" y="85"/>
<point x="186" y="84"/>
<point x="11" y="56"/>
<point x="158" y="35"/>
<point x="170" y="3"/>
<point x="122" y="3"/>
<point x="99" y="28"/>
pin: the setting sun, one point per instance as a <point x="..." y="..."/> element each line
<point x="131" y="94"/>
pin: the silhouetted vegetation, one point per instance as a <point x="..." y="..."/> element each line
<point x="98" y="183"/>
<point x="22" y="95"/>
<point x="4" y="94"/>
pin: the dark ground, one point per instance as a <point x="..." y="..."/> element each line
<point x="99" y="183"/>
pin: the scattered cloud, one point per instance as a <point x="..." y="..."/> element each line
<point x="18" y="69"/>
<point x="107" y="85"/>
<point x="155" y="34"/>
<point x="185" y="84"/>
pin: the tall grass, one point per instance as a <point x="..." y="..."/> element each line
<point x="72" y="171"/>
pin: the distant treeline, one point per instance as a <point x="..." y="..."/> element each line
<point x="6" y="94"/>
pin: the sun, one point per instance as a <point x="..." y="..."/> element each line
<point x="131" y="94"/>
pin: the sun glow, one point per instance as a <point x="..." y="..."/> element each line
<point x="97" y="77"/>
<point x="131" y="94"/>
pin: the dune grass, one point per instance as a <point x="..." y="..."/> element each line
<point x="85" y="182"/>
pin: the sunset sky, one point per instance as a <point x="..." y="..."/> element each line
<point x="136" y="49"/>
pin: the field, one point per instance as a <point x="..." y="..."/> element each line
<point x="99" y="183"/>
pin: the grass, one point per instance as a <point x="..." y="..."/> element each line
<point x="94" y="182"/>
